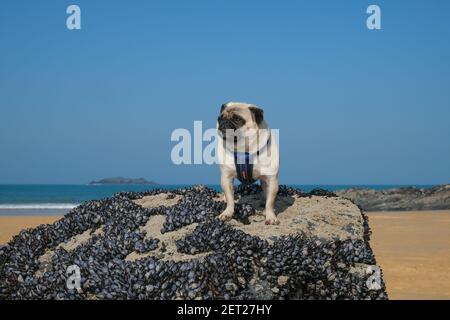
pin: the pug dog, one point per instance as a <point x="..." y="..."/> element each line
<point x="247" y="151"/>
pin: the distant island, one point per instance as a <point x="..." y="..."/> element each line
<point x="122" y="180"/>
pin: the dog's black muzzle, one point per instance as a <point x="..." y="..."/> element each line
<point x="233" y="123"/>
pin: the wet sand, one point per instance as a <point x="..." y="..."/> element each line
<point x="413" y="249"/>
<point x="12" y="225"/>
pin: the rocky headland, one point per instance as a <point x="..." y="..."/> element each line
<point x="400" y="199"/>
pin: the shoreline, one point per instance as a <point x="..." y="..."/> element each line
<point x="33" y="212"/>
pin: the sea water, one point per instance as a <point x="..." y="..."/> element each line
<point x="21" y="199"/>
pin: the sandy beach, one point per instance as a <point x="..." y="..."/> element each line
<point x="12" y="225"/>
<point x="411" y="247"/>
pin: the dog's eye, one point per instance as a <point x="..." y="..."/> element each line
<point x="237" y="120"/>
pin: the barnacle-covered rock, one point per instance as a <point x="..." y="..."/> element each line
<point x="169" y="244"/>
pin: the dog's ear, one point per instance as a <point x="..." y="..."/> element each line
<point x="257" y="113"/>
<point x="223" y="107"/>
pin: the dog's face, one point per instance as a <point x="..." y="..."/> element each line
<point x="237" y="118"/>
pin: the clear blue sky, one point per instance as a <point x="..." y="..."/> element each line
<point x="353" y="106"/>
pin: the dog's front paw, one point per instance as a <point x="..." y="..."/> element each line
<point x="271" y="219"/>
<point x="226" y="215"/>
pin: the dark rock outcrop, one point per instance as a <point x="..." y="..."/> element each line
<point x="436" y="198"/>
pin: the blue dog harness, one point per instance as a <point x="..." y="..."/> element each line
<point x="244" y="165"/>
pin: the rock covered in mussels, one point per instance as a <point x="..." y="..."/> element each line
<point x="169" y="244"/>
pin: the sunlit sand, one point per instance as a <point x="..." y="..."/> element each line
<point x="412" y="248"/>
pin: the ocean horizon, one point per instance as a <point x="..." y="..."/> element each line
<point x="57" y="199"/>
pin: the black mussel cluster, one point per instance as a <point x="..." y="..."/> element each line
<point x="283" y="191"/>
<point x="234" y="265"/>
